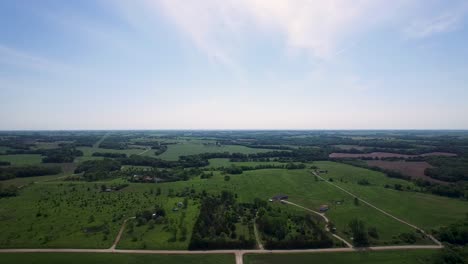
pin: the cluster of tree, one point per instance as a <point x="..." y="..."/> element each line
<point x="109" y="155"/>
<point x="185" y="162"/>
<point x="449" y="169"/>
<point x="94" y="170"/>
<point x="215" y="227"/>
<point x="8" y="191"/>
<point x="27" y="171"/>
<point x="5" y="163"/>
<point x="359" y="231"/>
<point x="284" y="231"/>
<point x="239" y="169"/>
<point x="115" y="142"/>
<point x="456" y="233"/>
<point x="151" y="217"/>
<point x="159" y="175"/>
<point x="67" y="153"/>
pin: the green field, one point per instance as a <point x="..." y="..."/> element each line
<point x="22" y="159"/>
<point x="101" y="258"/>
<point x="69" y="206"/>
<point x="191" y="148"/>
<point x="367" y="257"/>
<point x="424" y="210"/>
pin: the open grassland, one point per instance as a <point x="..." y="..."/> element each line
<point x="99" y="258"/>
<point x="191" y="148"/>
<point x="424" y="210"/>
<point x="22" y="159"/>
<point x="365" y="257"/>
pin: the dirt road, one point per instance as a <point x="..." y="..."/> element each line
<point x="119" y="235"/>
<point x="326" y="222"/>
<point x="380" y="210"/>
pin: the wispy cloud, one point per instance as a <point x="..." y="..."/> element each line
<point x="17" y="58"/>
<point x="449" y="20"/>
<point x="318" y="28"/>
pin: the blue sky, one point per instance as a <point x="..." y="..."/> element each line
<point x="233" y="64"/>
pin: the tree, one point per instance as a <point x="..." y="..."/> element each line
<point x="356" y="201"/>
<point x="227" y="178"/>
<point x="358" y="229"/>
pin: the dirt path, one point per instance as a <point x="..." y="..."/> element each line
<point x="257" y="237"/>
<point x="119" y="235"/>
<point x="143" y="152"/>
<point x="437" y="242"/>
<point x="349" y="245"/>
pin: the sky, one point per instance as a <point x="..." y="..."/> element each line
<point x="233" y="64"/>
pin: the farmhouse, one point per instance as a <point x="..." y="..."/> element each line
<point x="323" y="208"/>
<point x="279" y="197"/>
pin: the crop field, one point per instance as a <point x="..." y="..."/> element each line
<point x="414" y="169"/>
<point x="99" y="258"/>
<point x="385" y="257"/>
<point x="388" y="155"/>
<point x="191" y="148"/>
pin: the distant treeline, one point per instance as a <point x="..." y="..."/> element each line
<point x="64" y="154"/>
<point x="27" y="171"/>
<point x="109" y="155"/>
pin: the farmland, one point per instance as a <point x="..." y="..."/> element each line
<point x="211" y="194"/>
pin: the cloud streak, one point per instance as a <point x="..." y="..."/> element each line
<point x="24" y="60"/>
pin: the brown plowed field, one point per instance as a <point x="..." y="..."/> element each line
<point x="413" y="169"/>
<point x="387" y="155"/>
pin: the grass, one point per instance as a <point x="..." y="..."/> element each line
<point x="160" y="236"/>
<point x="69" y="206"/>
<point x="367" y="257"/>
<point x="191" y="148"/>
<point x="100" y="258"/>
<point x="22" y="159"/>
<point x="55" y="215"/>
<point x="424" y="210"/>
